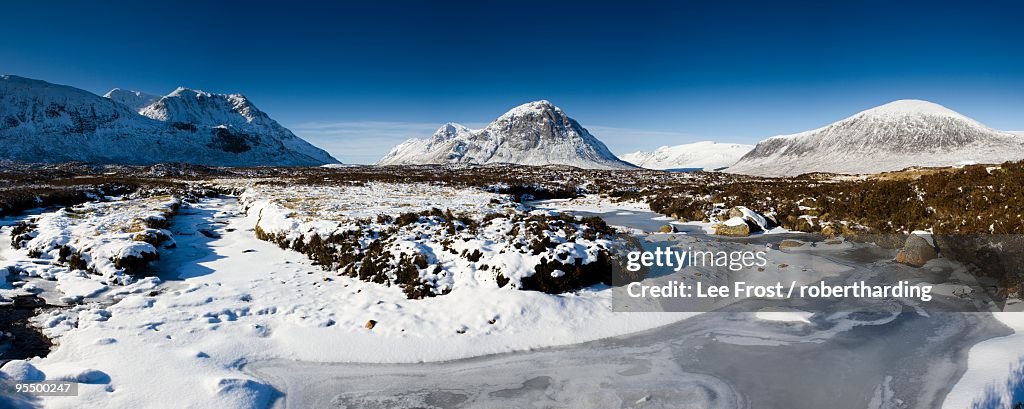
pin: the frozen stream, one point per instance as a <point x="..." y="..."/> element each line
<point x="897" y="357"/>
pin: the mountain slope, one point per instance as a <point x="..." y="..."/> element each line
<point x="44" y="122"/>
<point x="536" y="133"/>
<point x="136" y="100"/>
<point x="890" y="137"/>
<point x="233" y="112"/>
<point x="705" y="155"/>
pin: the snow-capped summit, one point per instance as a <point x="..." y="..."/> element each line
<point x="535" y="133"/>
<point x="450" y="131"/>
<point x="913" y="107"/>
<point x="228" y="111"/>
<point x="197" y="106"/>
<point x="44" y="122"/>
<point x="706" y="155"/>
<point x="136" y="100"/>
<point x="893" y="136"/>
<point x="538" y="107"/>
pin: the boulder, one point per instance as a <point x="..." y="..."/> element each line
<point x="668" y="228"/>
<point x="757" y="221"/>
<point x="370" y="324"/>
<point x="734" y="227"/>
<point x="917" y="251"/>
<point x="785" y="244"/>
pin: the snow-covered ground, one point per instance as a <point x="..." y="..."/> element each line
<point x="226" y="301"/>
<point x="990" y="364"/>
<point x="100" y="236"/>
<point x="459" y="237"/>
<point x="229" y="299"/>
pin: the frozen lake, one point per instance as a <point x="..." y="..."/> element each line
<point x="890" y="356"/>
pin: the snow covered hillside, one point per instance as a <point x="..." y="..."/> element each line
<point x="535" y="133"/>
<point x="705" y="155"/>
<point x="136" y="100"/>
<point x="44" y="122"/>
<point x="893" y="136"/>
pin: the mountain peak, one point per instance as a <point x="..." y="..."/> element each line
<point x="532" y="108"/>
<point x="535" y="133"/>
<point x="451" y="130"/>
<point x="907" y="107"/>
<point x="136" y="100"/>
<point x="889" y="137"/>
<point x="188" y="92"/>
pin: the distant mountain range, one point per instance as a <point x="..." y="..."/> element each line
<point x="704" y="155"/>
<point x="890" y="137"/>
<point x="44" y="122"/>
<point x="535" y="133"/>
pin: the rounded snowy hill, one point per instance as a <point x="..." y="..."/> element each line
<point x="535" y="133"/>
<point x="894" y="136"/>
<point x="706" y="155"/>
<point x="44" y="122"/>
<point x="136" y="100"/>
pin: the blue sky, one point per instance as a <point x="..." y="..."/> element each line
<point x="358" y="78"/>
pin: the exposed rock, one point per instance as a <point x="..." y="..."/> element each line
<point x="370" y="324"/>
<point x="758" y="222"/>
<point x="668" y="228"/>
<point x="790" y="244"/>
<point x="917" y="251"/>
<point x="734" y="227"/>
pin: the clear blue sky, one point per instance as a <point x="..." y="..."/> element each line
<point x="358" y="78"/>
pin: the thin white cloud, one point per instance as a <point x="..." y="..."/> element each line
<point x="365" y="142"/>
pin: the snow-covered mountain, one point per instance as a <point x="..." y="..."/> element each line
<point x="136" y="100"/>
<point x="893" y="136"/>
<point x="535" y="133"/>
<point x="229" y="112"/>
<point x="44" y="122"/>
<point x="705" y="155"/>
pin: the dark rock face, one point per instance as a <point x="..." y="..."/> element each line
<point x="232" y="142"/>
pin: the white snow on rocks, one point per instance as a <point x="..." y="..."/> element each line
<point x="501" y="241"/>
<point x="100" y="236"/>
